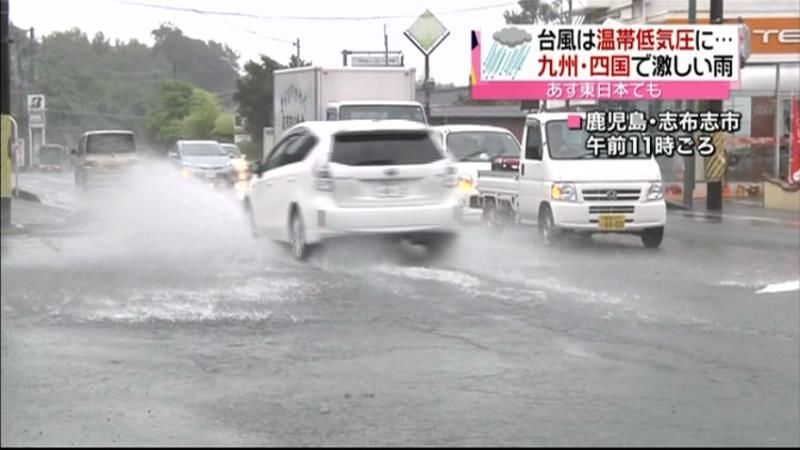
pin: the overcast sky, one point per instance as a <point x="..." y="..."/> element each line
<point x="320" y="41"/>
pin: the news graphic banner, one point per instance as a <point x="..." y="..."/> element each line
<point x="794" y="168"/>
<point x="622" y="134"/>
<point x="596" y="62"/>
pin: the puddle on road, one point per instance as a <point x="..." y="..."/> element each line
<point x="252" y="300"/>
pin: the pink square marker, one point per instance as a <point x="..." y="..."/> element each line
<point x="574" y="122"/>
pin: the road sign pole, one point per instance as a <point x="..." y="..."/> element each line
<point x="689" y="161"/>
<point x="427" y="87"/>
<point x="5" y="117"/>
<point x="426" y="33"/>
<point x="714" y="185"/>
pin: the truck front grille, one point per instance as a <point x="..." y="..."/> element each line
<point x="611" y="195"/>
<point x="611" y="209"/>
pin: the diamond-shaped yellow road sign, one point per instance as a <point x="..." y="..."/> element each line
<point x="426" y="33"/>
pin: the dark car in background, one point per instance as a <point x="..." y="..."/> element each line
<point x="52" y="158"/>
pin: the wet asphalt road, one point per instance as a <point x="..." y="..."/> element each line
<point x="161" y="322"/>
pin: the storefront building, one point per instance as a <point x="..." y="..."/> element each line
<point x="769" y="80"/>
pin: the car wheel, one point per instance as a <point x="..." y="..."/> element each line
<point x="547" y="227"/>
<point x="652" y="237"/>
<point x="439" y="245"/>
<point x="491" y="218"/>
<point x="297" y="237"/>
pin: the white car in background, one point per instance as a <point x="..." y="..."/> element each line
<point x="330" y="179"/>
<point x="475" y="148"/>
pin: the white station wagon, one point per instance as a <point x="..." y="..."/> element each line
<point x="330" y="179"/>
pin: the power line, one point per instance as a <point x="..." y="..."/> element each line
<point x="272" y="38"/>
<point x="311" y="18"/>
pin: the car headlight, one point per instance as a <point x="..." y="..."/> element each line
<point x="655" y="192"/>
<point x="565" y="192"/>
<point x="186" y="173"/>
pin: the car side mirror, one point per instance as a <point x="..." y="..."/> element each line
<point x="254" y="167"/>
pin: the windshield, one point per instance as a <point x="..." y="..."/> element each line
<point x="202" y="149"/>
<point x="382" y="112"/>
<point x="566" y="143"/>
<point x="481" y="145"/>
<point x="50" y="155"/>
<point x="110" y="143"/>
<point x="385" y="149"/>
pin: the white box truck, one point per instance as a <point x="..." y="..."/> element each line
<point x="344" y="93"/>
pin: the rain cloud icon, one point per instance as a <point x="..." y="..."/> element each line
<point x="508" y="53"/>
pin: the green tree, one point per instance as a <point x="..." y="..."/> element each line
<point x="294" y="61"/>
<point x="209" y="65"/>
<point x="254" y="95"/>
<point x="534" y="12"/>
<point x="224" y="127"/>
<point x="203" y="112"/>
<point x="175" y="103"/>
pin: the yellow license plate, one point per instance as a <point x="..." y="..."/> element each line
<point x="611" y="222"/>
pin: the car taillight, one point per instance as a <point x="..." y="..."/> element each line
<point x="450" y="177"/>
<point x="323" y="179"/>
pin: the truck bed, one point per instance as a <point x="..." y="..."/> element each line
<point x="498" y="182"/>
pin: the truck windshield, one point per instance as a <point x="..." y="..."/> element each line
<point x="382" y="112"/>
<point x="566" y="143"/>
<point x="385" y="149"/>
<point x="110" y="143"/>
<point x="481" y="145"/>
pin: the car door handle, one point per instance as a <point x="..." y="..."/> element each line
<point x="522" y="169"/>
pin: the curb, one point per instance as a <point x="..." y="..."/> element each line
<point x="27" y="195"/>
<point x="677" y="206"/>
<point x="13" y="230"/>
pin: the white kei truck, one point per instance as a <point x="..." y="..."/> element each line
<point x="343" y="93"/>
<point x="564" y="188"/>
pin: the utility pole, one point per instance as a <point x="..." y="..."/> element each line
<point x="5" y="116"/>
<point x="33" y="51"/>
<point x="688" y="161"/>
<point x="386" y="44"/>
<point x="297" y="53"/>
<point x="714" y="187"/>
<point x="569" y="21"/>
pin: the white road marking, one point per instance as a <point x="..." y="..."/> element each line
<point x="786" y="286"/>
